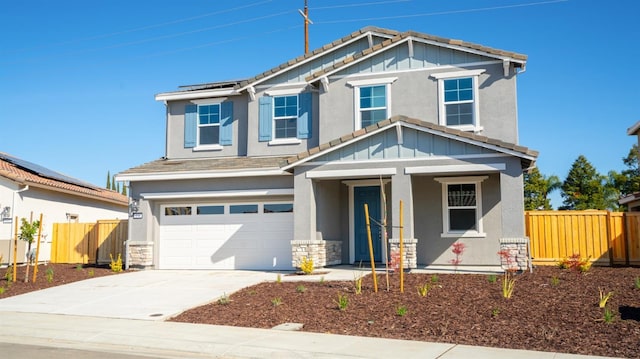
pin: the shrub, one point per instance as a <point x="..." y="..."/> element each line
<point x="423" y="290"/>
<point x="224" y="300"/>
<point x="575" y="262"/>
<point x="434" y="278"/>
<point x="608" y="316"/>
<point x="115" y="265"/>
<point x="555" y="281"/>
<point x="306" y="265"/>
<point x="343" y="301"/>
<point x="301" y="289"/>
<point x="401" y="310"/>
<point x="279" y="278"/>
<point x="276" y="301"/>
<point x="457" y="250"/>
<point x="2" y="290"/>
<point x="492" y="278"/>
<point x="602" y="302"/>
<point x="508" y="279"/>
<point x="49" y="275"/>
<point x="79" y="266"/>
<point x="636" y="283"/>
<point x="357" y="283"/>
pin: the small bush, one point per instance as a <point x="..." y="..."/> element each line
<point x="224" y="300"/>
<point x="423" y="290"/>
<point x="608" y="316"/>
<point x="554" y="281"/>
<point x="116" y="265"/>
<point x="575" y="262"/>
<point x="79" y="266"/>
<point x="2" y="290"/>
<point x="279" y="278"/>
<point x="306" y="265"/>
<point x="301" y="289"/>
<point x="494" y="312"/>
<point x="343" y="302"/>
<point x="636" y="283"/>
<point x="49" y="275"/>
<point x="357" y="283"/>
<point x="276" y="301"/>
<point x="602" y="302"/>
<point x="492" y="278"/>
<point x="401" y="310"/>
<point x="434" y="278"/>
<point x="91" y="273"/>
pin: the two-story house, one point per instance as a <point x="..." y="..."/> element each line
<point x="262" y="171"/>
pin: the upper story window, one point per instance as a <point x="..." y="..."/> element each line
<point x="462" y="206"/>
<point x="208" y="124"/>
<point x="458" y="99"/>
<point x="372" y="99"/>
<point x="373" y="104"/>
<point x="285" y="116"/>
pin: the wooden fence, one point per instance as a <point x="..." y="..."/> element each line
<point x="88" y="242"/>
<point x="607" y="238"/>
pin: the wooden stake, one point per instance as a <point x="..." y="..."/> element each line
<point x="15" y="251"/>
<point x="373" y="264"/>
<point x="401" y="249"/>
<point x="306" y="28"/>
<point x="35" y="265"/>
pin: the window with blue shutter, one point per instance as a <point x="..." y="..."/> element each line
<point x="265" y="118"/>
<point x="190" y="126"/>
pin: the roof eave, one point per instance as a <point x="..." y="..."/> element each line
<point x="192" y="95"/>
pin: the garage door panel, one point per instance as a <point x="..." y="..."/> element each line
<point x="229" y="241"/>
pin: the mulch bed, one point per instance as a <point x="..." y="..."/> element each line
<point x="551" y="310"/>
<point x="60" y="274"/>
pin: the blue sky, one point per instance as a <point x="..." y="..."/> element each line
<point x="78" y="78"/>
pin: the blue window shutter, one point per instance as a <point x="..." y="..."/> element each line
<point x="265" y="118"/>
<point x="190" y="125"/>
<point x="304" y="116"/>
<point x="226" y="123"/>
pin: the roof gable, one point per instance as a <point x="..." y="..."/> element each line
<point x="403" y="137"/>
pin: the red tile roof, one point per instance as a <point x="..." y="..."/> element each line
<point x="25" y="176"/>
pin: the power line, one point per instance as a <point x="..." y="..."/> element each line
<point x="358" y="5"/>
<point x="441" y="12"/>
<point x="153" y="26"/>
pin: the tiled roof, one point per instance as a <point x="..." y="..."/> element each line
<point x="398" y="37"/>
<point x="524" y="151"/>
<point x="395" y="36"/>
<point x="25" y="176"/>
<point x="209" y="164"/>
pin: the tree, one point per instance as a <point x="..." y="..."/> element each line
<point x="628" y="181"/>
<point x="28" y="232"/>
<point x="113" y="183"/>
<point x="124" y="189"/>
<point x="584" y="188"/>
<point x="108" y="180"/>
<point x="537" y="188"/>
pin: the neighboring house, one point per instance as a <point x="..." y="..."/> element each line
<point x="28" y="190"/>
<point x="261" y="172"/>
<point x="632" y="201"/>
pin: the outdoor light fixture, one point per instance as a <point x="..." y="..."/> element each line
<point x="6" y="212"/>
<point x="134" y="209"/>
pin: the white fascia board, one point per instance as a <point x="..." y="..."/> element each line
<point x="165" y="176"/>
<point x="192" y="95"/>
<point x="487" y="167"/>
<point x="454" y="74"/>
<point x="298" y="64"/>
<point x="355" y="173"/>
<point x="219" y="194"/>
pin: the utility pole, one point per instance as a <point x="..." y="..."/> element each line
<point x="307" y="21"/>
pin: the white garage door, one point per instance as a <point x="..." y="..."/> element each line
<point x="226" y="236"/>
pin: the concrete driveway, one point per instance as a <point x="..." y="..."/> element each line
<point x="151" y="294"/>
<point x="146" y="295"/>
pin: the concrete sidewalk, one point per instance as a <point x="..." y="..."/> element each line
<point x="179" y="340"/>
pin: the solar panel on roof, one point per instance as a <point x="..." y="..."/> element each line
<point x="44" y="172"/>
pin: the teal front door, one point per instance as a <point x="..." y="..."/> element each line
<point x="371" y="196"/>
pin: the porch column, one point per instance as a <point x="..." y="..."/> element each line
<point x="512" y="201"/>
<point x="401" y="189"/>
<point x="304" y="208"/>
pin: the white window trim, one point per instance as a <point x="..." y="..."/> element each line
<point x="210" y="147"/>
<point x="356" y="84"/>
<point x="442" y="113"/>
<point x="445" y="181"/>
<point x="284" y="140"/>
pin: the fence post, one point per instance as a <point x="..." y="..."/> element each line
<point x="609" y="239"/>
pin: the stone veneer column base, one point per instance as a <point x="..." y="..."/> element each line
<point x="518" y="251"/>
<point x="322" y="252"/>
<point x="410" y="257"/>
<point x="140" y="255"/>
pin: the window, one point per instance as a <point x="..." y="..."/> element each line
<point x="208" y="124"/>
<point x="177" y="211"/>
<point x="458" y="101"/>
<point x="462" y="206"/>
<point x="243" y="208"/>
<point x="285" y="116"/>
<point x="372" y="99"/>
<point x="278" y="208"/>
<point x="205" y="210"/>
<point x="373" y="104"/>
<point x="458" y="104"/>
